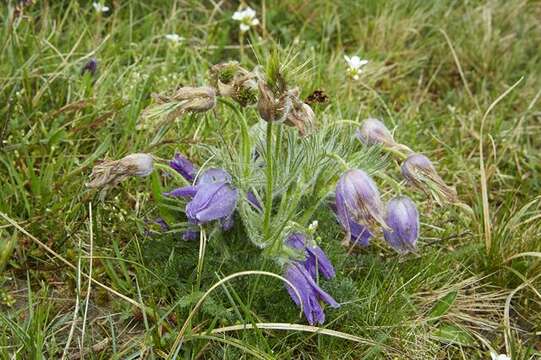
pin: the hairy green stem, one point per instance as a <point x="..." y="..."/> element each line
<point x="268" y="197"/>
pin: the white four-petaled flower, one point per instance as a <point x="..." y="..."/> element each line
<point x="495" y="356"/>
<point x="174" y="38"/>
<point x="355" y="64"/>
<point x="247" y="18"/>
<point x="99" y="7"/>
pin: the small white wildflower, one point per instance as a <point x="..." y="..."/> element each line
<point x="313" y="226"/>
<point x="99" y="7"/>
<point x="247" y="18"/>
<point x="495" y="356"/>
<point x="355" y="66"/>
<point x="174" y="38"/>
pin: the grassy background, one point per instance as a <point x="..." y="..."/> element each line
<point x="435" y="69"/>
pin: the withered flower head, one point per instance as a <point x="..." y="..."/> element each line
<point x="110" y="173"/>
<point x="185" y="99"/>
<point x="232" y="80"/>
<point x="271" y="107"/>
<point x="301" y="116"/>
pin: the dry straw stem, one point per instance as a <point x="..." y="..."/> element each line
<point x="296" y="327"/>
<point x="59" y="257"/>
<point x="484" y="186"/>
<point x="178" y="341"/>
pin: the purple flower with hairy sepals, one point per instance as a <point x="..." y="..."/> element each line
<point x="358" y="201"/>
<point x="315" y="257"/>
<point x="183" y="166"/>
<point x="212" y="202"/>
<point x="213" y="198"/>
<point x="310" y="293"/>
<point x="373" y="131"/>
<point x="90" y="67"/>
<point x="419" y="172"/>
<point x="403" y="219"/>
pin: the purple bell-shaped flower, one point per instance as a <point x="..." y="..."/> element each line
<point x="358" y="203"/>
<point x="403" y="219"/>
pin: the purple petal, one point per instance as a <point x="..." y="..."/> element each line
<point x="186" y="191"/>
<point x="214" y="175"/>
<point x="211" y="202"/>
<point x="296" y="241"/>
<point x="252" y="199"/>
<point x="317" y="257"/>
<point x="403" y="219"/>
<point x="183" y="166"/>
<point x="309" y="291"/>
<point x="227" y="222"/>
<point x="360" y="235"/>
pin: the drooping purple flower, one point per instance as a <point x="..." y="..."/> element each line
<point x="315" y="257"/>
<point x="213" y="198"/>
<point x="90" y="67"/>
<point x="373" y="131"/>
<point x="212" y="202"/>
<point x="419" y="172"/>
<point x="183" y="166"/>
<point x="403" y="219"/>
<point x="358" y="201"/>
<point x="310" y="293"/>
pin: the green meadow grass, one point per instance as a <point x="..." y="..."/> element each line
<point x="457" y="80"/>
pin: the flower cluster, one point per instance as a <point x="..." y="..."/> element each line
<point x="303" y="274"/>
<point x="212" y="195"/>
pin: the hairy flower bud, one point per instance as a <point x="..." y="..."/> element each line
<point x="419" y="172"/>
<point x="358" y="199"/>
<point x="403" y="219"/>
<point x="374" y="132"/>
<point x="111" y="172"/>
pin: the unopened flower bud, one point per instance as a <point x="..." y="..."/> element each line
<point x="403" y="219"/>
<point x="374" y="132"/>
<point x="419" y="172"/>
<point x="111" y="172"/>
<point x="358" y="199"/>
